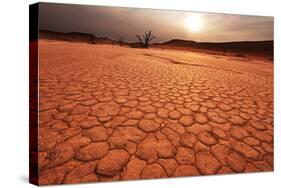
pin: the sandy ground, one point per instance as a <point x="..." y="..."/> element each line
<point x="117" y="113"/>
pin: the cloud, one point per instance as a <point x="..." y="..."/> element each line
<point x="114" y="22"/>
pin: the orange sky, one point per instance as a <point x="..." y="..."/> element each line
<point x="166" y="25"/>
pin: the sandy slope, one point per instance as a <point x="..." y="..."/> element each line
<point x="112" y="113"/>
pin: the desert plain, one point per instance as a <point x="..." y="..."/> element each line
<point x="110" y="112"/>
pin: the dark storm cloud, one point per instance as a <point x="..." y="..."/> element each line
<point x="113" y="22"/>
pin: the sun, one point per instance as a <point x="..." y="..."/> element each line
<point x="194" y="23"/>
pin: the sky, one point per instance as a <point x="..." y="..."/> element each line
<point x="114" y="22"/>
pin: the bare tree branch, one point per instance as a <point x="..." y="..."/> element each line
<point x="146" y="38"/>
<point x="141" y="42"/>
<point x="121" y="41"/>
<point x="93" y="38"/>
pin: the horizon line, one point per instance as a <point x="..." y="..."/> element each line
<point x="88" y="33"/>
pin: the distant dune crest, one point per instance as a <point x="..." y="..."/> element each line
<point x="261" y="49"/>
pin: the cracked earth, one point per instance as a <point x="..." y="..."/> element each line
<point x="115" y="113"/>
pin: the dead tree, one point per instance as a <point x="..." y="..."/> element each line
<point x="121" y="41"/>
<point x="146" y="38"/>
<point x="224" y="51"/>
<point x="93" y="37"/>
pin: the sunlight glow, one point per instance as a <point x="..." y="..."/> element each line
<point x="194" y="23"/>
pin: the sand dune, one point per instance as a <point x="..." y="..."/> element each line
<point x="259" y="49"/>
<point x="74" y="37"/>
<point x="262" y="50"/>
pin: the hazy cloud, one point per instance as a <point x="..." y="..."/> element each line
<point x="113" y="22"/>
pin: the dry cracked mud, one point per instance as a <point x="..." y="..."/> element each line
<point x="115" y="113"/>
